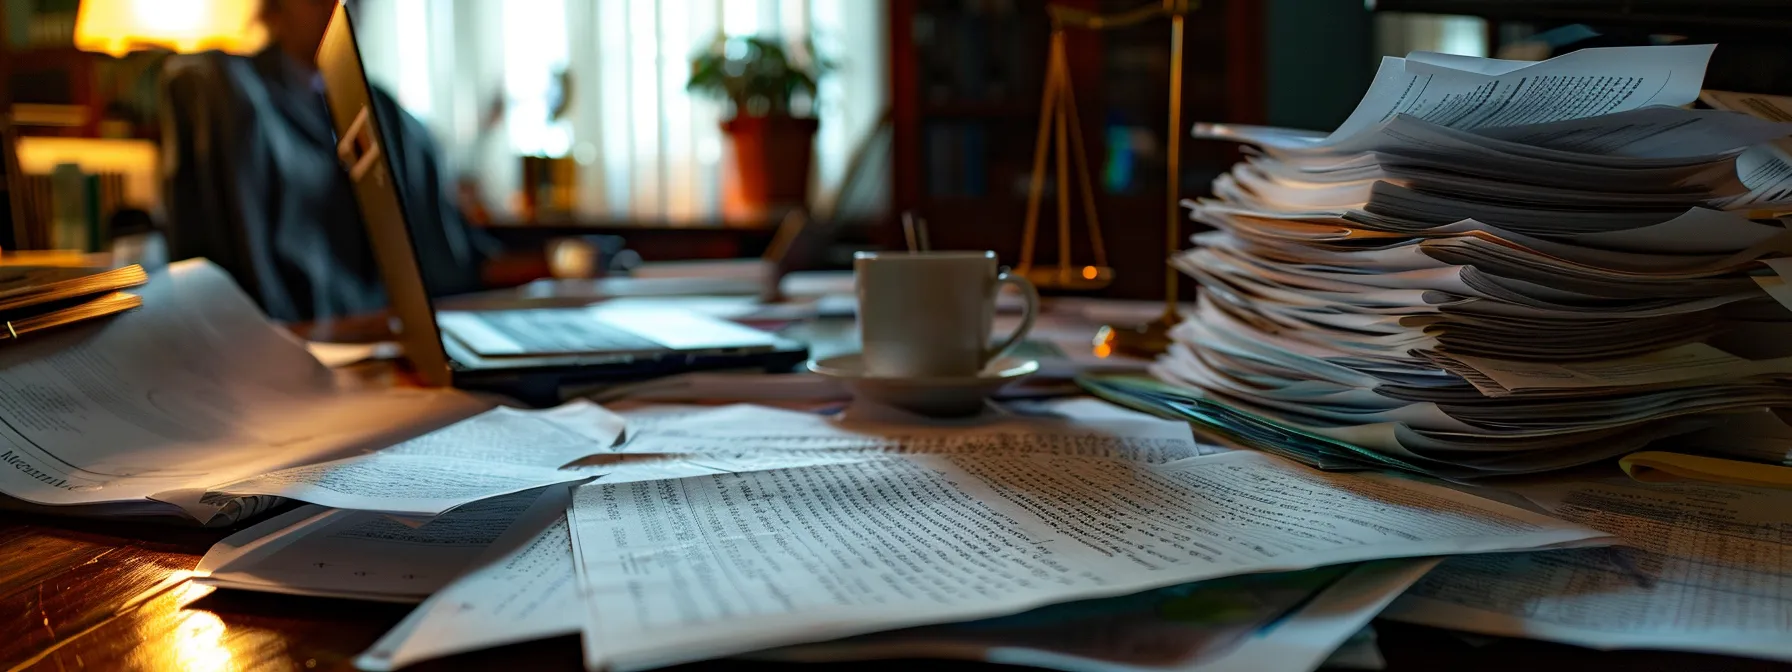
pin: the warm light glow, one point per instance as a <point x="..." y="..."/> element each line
<point x="1089" y="273"/>
<point x="118" y="27"/>
<point x="138" y="160"/>
<point x="1102" y="350"/>
<point x="173" y="637"/>
<point x="199" y="643"/>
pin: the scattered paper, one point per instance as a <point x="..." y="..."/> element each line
<point x="523" y="590"/>
<point x="1291" y="621"/>
<point x="313" y="550"/>
<point x="682" y="442"/>
<point x="495" y="453"/>
<point x="1766" y="168"/>
<point x="1703" y="570"/>
<point x="676" y="571"/>
<point x="193" y="389"/>
<point x="1583" y="83"/>
<point x="749" y="431"/>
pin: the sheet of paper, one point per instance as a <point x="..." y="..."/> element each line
<point x="1475" y="64"/>
<point x="1660" y="132"/>
<point x="335" y="553"/>
<point x="193" y="389"/>
<point x="523" y="590"/>
<point x="1360" y="652"/>
<point x="1079" y="408"/>
<point x="335" y="355"/>
<point x="705" y="386"/>
<point x="1584" y="83"/>
<point x="647" y="418"/>
<point x="675" y="571"/>
<point x="1767" y="172"/>
<point x="748" y="431"/>
<point x="1704" y="571"/>
<point x="1765" y="168"/>
<point x="498" y="452"/>
<point x="1290" y="621"/>
<point x="685" y="441"/>
<point x="1699" y="231"/>
<point x="1690" y="362"/>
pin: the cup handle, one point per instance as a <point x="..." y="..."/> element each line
<point x="1031" y="297"/>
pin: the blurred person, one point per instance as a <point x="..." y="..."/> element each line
<point x="253" y="183"/>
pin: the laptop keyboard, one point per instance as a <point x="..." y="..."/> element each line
<point x="563" y="331"/>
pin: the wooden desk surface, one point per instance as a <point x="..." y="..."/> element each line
<point x="101" y="595"/>
<point x="111" y="595"/>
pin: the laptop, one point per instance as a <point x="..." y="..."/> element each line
<point x="529" y="354"/>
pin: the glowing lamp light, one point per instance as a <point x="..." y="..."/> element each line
<point x="118" y="27"/>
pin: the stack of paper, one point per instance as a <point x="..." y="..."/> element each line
<point x="1492" y="267"/>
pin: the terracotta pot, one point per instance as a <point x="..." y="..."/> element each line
<point x="771" y="160"/>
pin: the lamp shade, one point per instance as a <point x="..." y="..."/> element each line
<point x="118" y="27"/>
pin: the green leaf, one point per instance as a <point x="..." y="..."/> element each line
<point x="758" y="78"/>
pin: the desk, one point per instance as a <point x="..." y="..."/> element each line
<point x="106" y="595"/>
<point x="78" y="594"/>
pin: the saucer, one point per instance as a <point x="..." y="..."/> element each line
<point x="941" y="396"/>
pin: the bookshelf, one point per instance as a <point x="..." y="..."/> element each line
<point x="966" y="78"/>
<point x="12" y="218"/>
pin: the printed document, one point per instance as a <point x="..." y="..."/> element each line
<point x="1703" y="569"/>
<point x="747" y="437"/>
<point x="1765" y="168"/>
<point x="193" y="389"/>
<point x="1285" y="621"/>
<point x="1679" y="364"/>
<point x="498" y="452"/>
<point x="523" y="589"/>
<point x="696" y="568"/>
<point x="748" y="430"/>
<point x="1585" y="83"/>
<point x="1292" y="621"/>
<point x="312" y="550"/>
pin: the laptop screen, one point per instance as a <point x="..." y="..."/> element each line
<point x="359" y="146"/>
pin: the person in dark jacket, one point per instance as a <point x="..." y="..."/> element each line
<point x="253" y="183"/>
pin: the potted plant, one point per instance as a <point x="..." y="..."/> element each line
<point x="772" y="146"/>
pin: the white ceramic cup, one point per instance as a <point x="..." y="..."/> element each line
<point x="929" y="314"/>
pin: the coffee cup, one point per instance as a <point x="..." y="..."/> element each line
<point x="930" y="314"/>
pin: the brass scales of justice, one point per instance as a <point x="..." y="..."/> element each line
<point x="1058" y="117"/>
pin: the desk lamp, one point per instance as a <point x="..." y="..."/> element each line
<point x="118" y="27"/>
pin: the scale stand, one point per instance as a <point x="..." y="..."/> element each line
<point x="1057" y="117"/>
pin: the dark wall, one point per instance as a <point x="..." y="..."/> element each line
<point x="1320" y="60"/>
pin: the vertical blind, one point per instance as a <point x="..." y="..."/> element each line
<point x="646" y="149"/>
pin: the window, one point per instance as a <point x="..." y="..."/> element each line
<point x="1397" y="33"/>
<point x="646" y="149"/>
